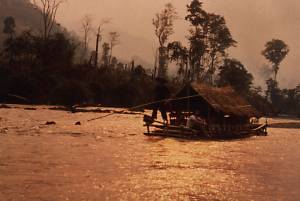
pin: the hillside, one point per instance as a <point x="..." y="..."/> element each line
<point x="25" y="15"/>
<point x="28" y="18"/>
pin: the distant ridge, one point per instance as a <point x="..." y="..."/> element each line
<point x="26" y="16"/>
<point x="29" y="18"/>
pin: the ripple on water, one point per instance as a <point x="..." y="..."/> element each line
<point x="113" y="160"/>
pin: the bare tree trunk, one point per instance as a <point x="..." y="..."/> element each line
<point x="186" y="73"/>
<point x="86" y="26"/>
<point x="97" y="47"/>
<point x="212" y="69"/>
<point x="114" y="40"/>
<point x="110" y="55"/>
<point x="48" y="11"/>
<point x="163" y="62"/>
<point x="275" y="72"/>
<point x="155" y="65"/>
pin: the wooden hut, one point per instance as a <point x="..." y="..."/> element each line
<point x="227" y="114"/>
<point x="216" y="105"/>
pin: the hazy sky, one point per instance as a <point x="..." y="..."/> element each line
<point x="252" y="23"/>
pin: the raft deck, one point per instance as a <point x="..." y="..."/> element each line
<point x="156" y="128"/>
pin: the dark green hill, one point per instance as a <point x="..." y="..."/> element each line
<point x="26" y="16"/>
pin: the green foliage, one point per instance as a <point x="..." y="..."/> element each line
<point x="105" y="54"/>
<point x="9" y="26"/>
<point x="275" y="51"/>
<point x="256" y="99"/>
<point x="120" y="87"/>
<point x="44" y="72"/>
<point x="291" y="100"/>
<point x="219" y="39"/>
<point x="273" y="92"/>
<point x="57" y="50"/>
<point x="70" y="92"/>
<point x="139" y="72"/>
<point x="196" y="53"/>
<point x="21" y="49"/>
<point x="29" y="50"/>
<point x="209" y="37"/>
<point x="179" y="54"/>
<point x="218" y="34"/>
<point x="285" y="101"/>
<point x="163" y="26"/>
<point x="234" y="73"/>
<point x="197" y="15"/>
<point x="42" y="69"/>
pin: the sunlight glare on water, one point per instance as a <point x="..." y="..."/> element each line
<point x="111" y="159"/>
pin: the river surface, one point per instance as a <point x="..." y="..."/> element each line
<point x="111" y="159"/>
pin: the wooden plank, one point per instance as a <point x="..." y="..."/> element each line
<point x="264" y="126"/>
<point x="171" y="134"/>
<point x="170" y="127"/>
<point x="210" y="132"/>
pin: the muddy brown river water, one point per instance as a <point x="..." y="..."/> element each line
<point x="111" y="159"/>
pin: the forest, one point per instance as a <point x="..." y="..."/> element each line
<point x="52" y="67"/>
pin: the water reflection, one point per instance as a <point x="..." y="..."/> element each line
<point x="113" y="160"/>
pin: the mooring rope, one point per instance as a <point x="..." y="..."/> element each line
<point x="144" y="105"/>
<point x="131" y="108"/>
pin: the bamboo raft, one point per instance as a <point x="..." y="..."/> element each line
<point x="157" y="128"/>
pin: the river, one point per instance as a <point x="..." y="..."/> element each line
<point x="111" y="159"/>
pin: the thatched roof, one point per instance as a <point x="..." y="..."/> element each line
<point x="225" y="100"/>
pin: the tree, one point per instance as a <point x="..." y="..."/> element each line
<point x="259" y="101"/>
<point x="64" y="57"/>
<point x="291" y="100"/>
<point x="234" y="73"/>
<point x="163" y="24"/>
<point x="163" y="27"/>
<point x="209" y="38"/>
<point x="197" y="17"/>
<point x="298" y="100"/>
<point x="105" y="54"/>
<point x="28" y="50"/>
<point x="99" y="38"/>
<point x="275" y="51"/>
<point x="20" y="50"/>
<point x="9" y="26"/>
<point x="273" y="93"/>
<point x="218" y="38"/>
<point x="179" y="54"/>
<point x="48" y="10"/>
<point x="139" y="71"/>
<point x="196" y="52"/>
<point x="86" y="26"/>
<point x="114" y="39"/>
<point x="113" y="62"/>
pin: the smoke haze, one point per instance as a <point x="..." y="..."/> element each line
<point x="252" y="24"/>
